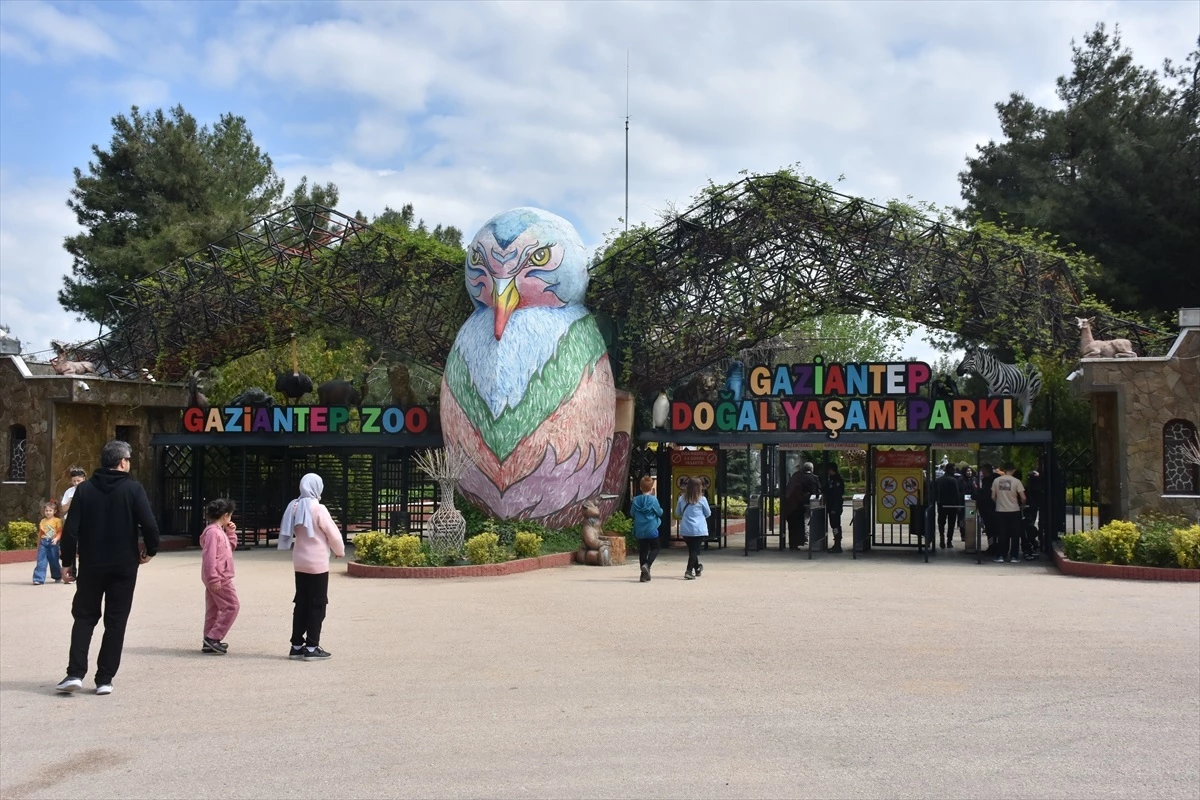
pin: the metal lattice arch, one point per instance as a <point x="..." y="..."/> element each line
<point x="751" y="261"/>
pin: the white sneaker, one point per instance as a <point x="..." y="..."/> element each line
<point x="998" y="560"/>
<point x="69" y="684"/>
<point x="104" y="688"/>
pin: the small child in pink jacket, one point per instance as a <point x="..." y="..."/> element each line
<point x="220" y="598"/>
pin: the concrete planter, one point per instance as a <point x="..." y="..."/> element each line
<point x="465" y="571"/>
<point x="1085" y="569"/>
<point x="17" y="556"/>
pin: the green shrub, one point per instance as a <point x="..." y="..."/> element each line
<point x="734" y="506"/>
<point x="19" y="535"/>
<point x="1186" y="542"/>
<point x="484" y="549"/>
<point x="504" y="529"/>
<point x="472" y="514"/>
<point x="1115" y="542"/>
<point x="1154" y="548"/>
<point x="367" y="546"/>
<point x="527" y="544"/>
<point x="406" y="551"/>
<point x="1078" y="547"/>
<point x="565" y="540"/>
<point x="380" y="549"/>
<point x="619" y="523"/>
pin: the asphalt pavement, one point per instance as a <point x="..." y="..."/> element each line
<point x="770" y="676"/>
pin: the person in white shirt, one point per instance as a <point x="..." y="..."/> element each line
<point x="1008" y="495"/>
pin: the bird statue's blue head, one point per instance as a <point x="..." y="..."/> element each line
<point x="523" y="258"/>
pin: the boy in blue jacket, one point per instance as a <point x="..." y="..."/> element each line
<point x="647" y="516"/>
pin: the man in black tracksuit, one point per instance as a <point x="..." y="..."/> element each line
<point x="949" y="489"/>
<point x="835" y="498"/>
<point x="107" y="514"/>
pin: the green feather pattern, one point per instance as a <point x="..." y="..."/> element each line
<point x="579" y="349"/>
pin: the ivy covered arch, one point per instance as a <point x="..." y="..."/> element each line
<point x="748" y="261"/>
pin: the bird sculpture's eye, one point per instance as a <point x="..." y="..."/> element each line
<point x="540" y="257"/>
<point x="476" y="258"/>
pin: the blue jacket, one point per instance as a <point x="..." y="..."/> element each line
<point x="692" y="516"/>
<point x="647" y="514"/>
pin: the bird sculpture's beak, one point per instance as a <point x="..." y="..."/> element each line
<point x="504" y="301"/>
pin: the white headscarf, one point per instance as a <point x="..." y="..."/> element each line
<point x="299" y="511"/>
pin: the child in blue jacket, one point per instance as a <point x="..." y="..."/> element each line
<point x="647" y="516"/>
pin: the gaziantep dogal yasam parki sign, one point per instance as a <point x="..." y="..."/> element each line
<point x="843" y="398"/>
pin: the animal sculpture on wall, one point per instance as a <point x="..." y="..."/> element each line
<point x="1101" y="348"/>
<point x="1022" y="382"/>
<point x="528" y="390"/>
<point x="63" y="365"/>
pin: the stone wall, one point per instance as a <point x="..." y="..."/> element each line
<point x="1148" y="393"/>
<point x="67" y="420"/>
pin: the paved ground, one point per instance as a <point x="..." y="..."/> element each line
<point x="770" y="676"/>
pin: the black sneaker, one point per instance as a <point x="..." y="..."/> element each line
<point x="68" y="685"/>
<point x="213" y="647"/>
<point x="689" y="576"/>
<point x="316" y="654"/>
<point x="837" y="548"/>
<point x="645" y="574"/>
<point x="296" y="652"/>
<point x="699" y="569"/>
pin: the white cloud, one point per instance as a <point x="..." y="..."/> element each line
<point x="34" y="222"/>
<point x="53" y="35"/>
<point x="467" y="109"/>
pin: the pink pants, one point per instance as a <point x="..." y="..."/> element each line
<point x="220" y="609"/>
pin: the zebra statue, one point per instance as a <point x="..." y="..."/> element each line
<point x="1022" y="382"/>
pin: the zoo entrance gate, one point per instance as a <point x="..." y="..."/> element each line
<point x="366" y="488"/>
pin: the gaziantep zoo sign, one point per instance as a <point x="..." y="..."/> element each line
<point x="305" y="419"/>
<point x="840" y="398"/>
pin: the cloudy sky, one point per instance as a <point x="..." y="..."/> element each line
<point x="465" y="109"/>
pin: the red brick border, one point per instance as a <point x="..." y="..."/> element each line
<point x="17" y="556"/>
<point x="1084" y="569"/>
<point x="466" y="571"/>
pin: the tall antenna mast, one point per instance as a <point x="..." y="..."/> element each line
<point x="627" y="141"/>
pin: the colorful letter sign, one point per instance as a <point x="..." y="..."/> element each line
<point x="305" y="419"/>
<point x="843" y="398"/>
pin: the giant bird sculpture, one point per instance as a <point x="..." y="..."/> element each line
<point x="528" y="390"/>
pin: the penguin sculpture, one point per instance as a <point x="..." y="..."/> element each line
<point x="661" y="411"/>
<point x="528" y="390"/>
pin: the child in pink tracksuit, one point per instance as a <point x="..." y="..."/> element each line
<point x="216" y="570"/>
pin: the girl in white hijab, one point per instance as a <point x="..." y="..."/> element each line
<point x="308" y="525"/>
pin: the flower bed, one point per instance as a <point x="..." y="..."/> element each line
<point x="1084" y="569"/>
<point x="462" y="570"/>
<point x="17" y="556"/>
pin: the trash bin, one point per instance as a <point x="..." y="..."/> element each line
<point x="756" y="535"/>
<point x="859" y="524"/>
<point x="817" y="527"/>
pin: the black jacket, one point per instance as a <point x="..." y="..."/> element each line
<point x="835" y="490"/>
<point x="950" y="490"/>
<point x="107" y="514"/>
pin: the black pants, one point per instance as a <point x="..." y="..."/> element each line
<point x="113" y="586"/>
<point x="312" y="595"/>
<point x="834" y="512"/>
<point x="647" y="551"/>
<point x="1031" y="536"/>
<point x="1009" y="523"/>
<point x="693" y="545"/>
<point x="951" y="515"/>
<point x="795" y="523"/>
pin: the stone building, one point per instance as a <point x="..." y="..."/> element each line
<point x="50" y="423"/>
<point x="1144" y="412"/>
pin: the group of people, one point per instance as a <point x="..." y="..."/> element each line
<point x="109" y="528"/>
<point x="1008" y="509"/>
<point x="692" y="511"/>
<point x="803" y="487"/>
